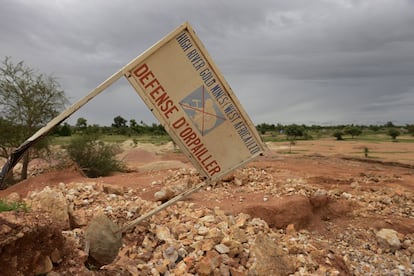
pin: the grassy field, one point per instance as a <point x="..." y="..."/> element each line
<point x="116" y="139"/>
<point x="369" y="137"/>
<point x="367" y="145"/>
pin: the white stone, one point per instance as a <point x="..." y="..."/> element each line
<point x="222" y="249"/>
<point x="388" y="239"/>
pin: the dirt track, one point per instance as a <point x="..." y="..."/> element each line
<point x="327" y="189"/>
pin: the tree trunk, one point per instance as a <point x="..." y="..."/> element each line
<point x="25" y="165"/>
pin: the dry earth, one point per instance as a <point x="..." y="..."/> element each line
<point x="323" y="209"/>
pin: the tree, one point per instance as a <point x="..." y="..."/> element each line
<point x="158" y="129"/>
<point x="338" y="135"/>
<point x="10" y="136"/>
<point x="135" y="127"/>
<point x="81" y="124"/>
<point x="133" y="123"/>
<point x="293" y="131"/>
<point x="353" y="131"/>
<point x="389" y="124"/>
<point x="119" y="122"/>
<point x="374" y="128"/>
<point x="265" y="127"/>
<point x="120" y="125"/>
<point x="27" y="101"/>
<point x="65" y="130"/>
<point x="394" y="133"/>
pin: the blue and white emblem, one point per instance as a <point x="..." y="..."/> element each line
<point x="202" y="110"/>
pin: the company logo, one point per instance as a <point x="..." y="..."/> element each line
<point x="202" y="110"/>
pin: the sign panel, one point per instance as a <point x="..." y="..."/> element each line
<point x="184" y="89"/>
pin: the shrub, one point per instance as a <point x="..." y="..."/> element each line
<point x="338" y="135"/>
<point x="394" y="133"/>
<point x="366" y="151"/>
<point x="93" y="156"/>
<point x="353" y="131"/>
<point x="410" y="129"/>
<point x="294" y="131"/>
<point x="65" y="130"/>
<point x="13" y="206"/>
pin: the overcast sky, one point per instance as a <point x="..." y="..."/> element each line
<point x="288" y="61"/>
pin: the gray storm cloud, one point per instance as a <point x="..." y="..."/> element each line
<point x="297" y="61"/>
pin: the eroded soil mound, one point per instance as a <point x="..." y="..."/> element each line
<point x="31" y="244"/>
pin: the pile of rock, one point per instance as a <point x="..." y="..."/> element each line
<point x="186" y="239"/>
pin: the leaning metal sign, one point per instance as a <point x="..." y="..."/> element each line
<point x="184" y="89"/>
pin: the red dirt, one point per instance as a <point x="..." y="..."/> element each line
<point x="330" y="171"/>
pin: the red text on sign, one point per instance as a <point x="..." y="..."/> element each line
<point x="195" y="145"/>
<point x="156" y="91"/>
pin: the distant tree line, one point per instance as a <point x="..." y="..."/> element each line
<point x="306" y="132"/>
<point x="120" y="126"/>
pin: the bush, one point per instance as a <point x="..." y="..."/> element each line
<point x="338" y="135"/>
<point x="93" y="156"/>
<point x="394" y="133"/>
<point x="294" y="131"/>
<point x="353" y="131"/>
<point x="410" y="129"/>
<point x="13" y="206"/>
<point x="65" y="130"/>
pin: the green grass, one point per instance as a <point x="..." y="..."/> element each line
<point x="280" y="138"/>
<point x="153" y="139"/>
<point x="13" y="206"/>
<point x="61" y="140"/>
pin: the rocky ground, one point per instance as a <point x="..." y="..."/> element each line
<point x="284" y="214"/>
